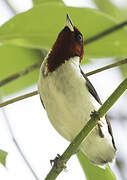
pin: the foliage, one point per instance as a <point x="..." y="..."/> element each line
<point x="24" y="37"/>
<point x="14" y="59"/>
<point x="93" y="172"/>
<point x="3" y="156"/>
<point x="119" y="14"/>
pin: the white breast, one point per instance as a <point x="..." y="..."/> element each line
<point x="69" y="104"/>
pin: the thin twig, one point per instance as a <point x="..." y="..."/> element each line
<point x="18" y="98"/>
<point x="119" y="63"/>
<point x="18" y="146"/>
<point x="62" y="160"/>
<point x="24" y="71"/>
<point x="11" y="7"/>
<point x="19" y="74"/>
<point x="105" y="32"/>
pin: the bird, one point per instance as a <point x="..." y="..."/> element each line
<point x="69" y="97"/>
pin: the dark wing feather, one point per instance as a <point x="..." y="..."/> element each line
<point x="42" y="103"/>
<point x="92" y="90"/>
<point x="110" y="129"/>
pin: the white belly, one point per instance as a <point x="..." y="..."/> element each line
<point x="69" y="104"/>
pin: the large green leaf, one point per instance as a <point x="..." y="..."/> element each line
<point x="93" y="172"/>
<point x="3" y="156"/>
<point x="14" y="59"/>
<point x="39" y="27"/>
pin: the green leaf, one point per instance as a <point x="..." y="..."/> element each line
<point x="38" y="2"/>
<point x="3" y="156"/>
<point x="39" y="27"/>
<point x="93" y="172"/>
<point x="14" y="59"/>
<point x="108" y="7"/>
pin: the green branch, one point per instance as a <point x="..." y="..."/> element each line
<point x="20" y="74"/>
<point x="25" y="71"/>
<point x="119" y="63"/>
<point x="62" y="160"/>
<point x="18" y="98"/>
<point x="105" y="32"/>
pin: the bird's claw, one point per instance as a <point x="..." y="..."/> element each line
<point x="58" y="162"/>
<point x="100" y="123"/>
<point x="54" y="161"/>
<point x="95" y="114"/>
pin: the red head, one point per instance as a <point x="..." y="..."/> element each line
<point x="68" y="45"/>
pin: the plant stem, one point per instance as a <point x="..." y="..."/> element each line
<point x="16" y="142"/>
<point x="18" y="146"/>
<point x="105" y="32"/>
<point x="18" y="98"/>
<point x="19" y="74"/>
<point x="55" y="171"/>
<point x="11" y="7"/>
<point x="119" y="63"/>
<point x="25" y="71"/>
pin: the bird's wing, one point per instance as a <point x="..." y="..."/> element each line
<point x="110" y="130"/>
<point x="90" y="87"/>
<point x="93" y="92"/>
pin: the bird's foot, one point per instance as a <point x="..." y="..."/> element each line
<point x="53" y="162"/>
<point x="58" y="162"/>
<point x="95" y="114"/>
<point x="100" y="123"/>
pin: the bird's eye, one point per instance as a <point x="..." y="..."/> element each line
<point x="79" y="38"/>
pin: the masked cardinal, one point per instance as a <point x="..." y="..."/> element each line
<point x="69" y="97"/>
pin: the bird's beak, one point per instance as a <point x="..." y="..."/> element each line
<point x="69" y="23"/>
